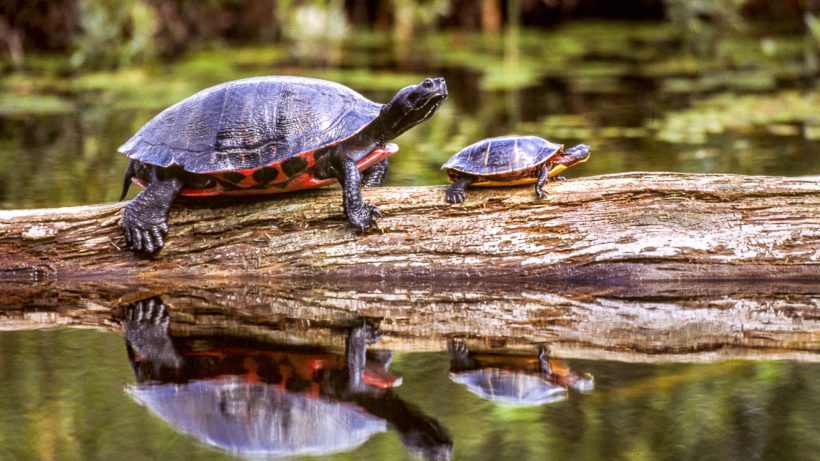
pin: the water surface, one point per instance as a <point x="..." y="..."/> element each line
<point x="220" y="369"/>
<point x="68" y="394"/>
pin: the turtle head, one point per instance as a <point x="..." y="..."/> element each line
<point x="411" y="106"/>
<point x="567" y="158"/>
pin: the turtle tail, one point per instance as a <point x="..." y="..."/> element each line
<point x="126" y="181"/>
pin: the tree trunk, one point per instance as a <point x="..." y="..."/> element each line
<point x="635" y="226"/>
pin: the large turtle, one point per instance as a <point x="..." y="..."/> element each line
<point x="267" y="135"/>
<point x="509" y="161"/>
<point x="259" y="397"/>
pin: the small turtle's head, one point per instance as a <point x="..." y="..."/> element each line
<point x="567" y="158"/>
<point x="411" y="106"/>
<point x="572" y="156"/>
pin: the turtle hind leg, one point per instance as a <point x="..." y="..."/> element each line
<point x="455" y="193"/>
<point x="145" y="219"/>
<point x="375" y="175"/>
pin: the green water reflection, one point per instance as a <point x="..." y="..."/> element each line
<point x="64" y="397"/>
<point x="613" y="86"/>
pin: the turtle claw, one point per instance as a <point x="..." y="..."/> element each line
<point x="144" y="237"/>
<point x="455" y="193"/>
<point x="365" y="217"/>
<point x="147" y="240"/>
<point x="454" y="196"/>
<point x="558" y="178"/>
<point x="457" y="347"/>
<point x="146" y="331"/>
<point x="540" y="193"/>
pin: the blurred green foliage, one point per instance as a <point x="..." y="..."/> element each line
<point x="106" y="34"/>
<point x="812" y="43"/>
<point x="641" y="107"/>
<point x="116" y="33"/>
<point x="701" y="24"/>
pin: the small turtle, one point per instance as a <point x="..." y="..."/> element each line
<point x="509" y="161"/>
<point x="514" y="380"/>
<point x="267" y="135"/>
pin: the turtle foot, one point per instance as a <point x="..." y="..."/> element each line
<point x="146" y="330"/>
<point x="541" y="193"/>
<point x="458" y="348"/>
<point x="372" y="334"/>
<point x="454" y="196"/>
<point x="558" y="178"/>
<point x="141" y="235"/>
<point x="364" y="217"/>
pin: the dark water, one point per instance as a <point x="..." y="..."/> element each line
<point x="640" y="106"/>
<point x="112" y="371"/>
<point x="72" y="394"/>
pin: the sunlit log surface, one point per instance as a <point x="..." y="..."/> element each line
<point x="636" y="226"/>
<point x="672" y="321"/>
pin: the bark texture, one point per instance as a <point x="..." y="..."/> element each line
<point x="634" y="226"/>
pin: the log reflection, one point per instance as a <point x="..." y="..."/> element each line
<point x="647" y="322"/>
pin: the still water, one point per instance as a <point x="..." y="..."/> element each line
<point x="252" y="370"/>
<point x="84" y="394"/>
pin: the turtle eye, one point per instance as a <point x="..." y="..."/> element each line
<point x="427" y="83"/>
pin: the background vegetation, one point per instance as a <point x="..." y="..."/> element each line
<point x="116" y="33"/>
<point x="724" y="86"/>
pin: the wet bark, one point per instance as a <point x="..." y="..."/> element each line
<point x="671" y="321"/>
<point x="635" y="226"/>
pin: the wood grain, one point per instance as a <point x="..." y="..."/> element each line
<point x="633" y="226"/>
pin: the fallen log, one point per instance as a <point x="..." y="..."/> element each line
<point x="646" y="322"/>
<point x="633" y="226"/>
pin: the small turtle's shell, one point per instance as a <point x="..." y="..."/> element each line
<point x="249" y="123"/>
<point x="502" y="155"/>
<point x="516" y="388"/>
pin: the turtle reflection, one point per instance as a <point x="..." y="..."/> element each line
<point x="255" y="398"/>
<point x="515" y="379"/>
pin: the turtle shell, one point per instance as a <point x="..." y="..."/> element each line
<point x="249" y="123"/>
<point x="502" y="155"/>
<point x="259" y="419"/>
<point x="513" y="388"/>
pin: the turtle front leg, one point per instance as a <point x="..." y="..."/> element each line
<point x="375" y="175"/>
<point x="455" y="193"/>
<point x="543" y="177"/>
<point x="356" y="357"/>
<point x="145" y="219"/>
<point x="146" y="333"/>
<point x="544" y="360"/>
<point x="360" y="214"/>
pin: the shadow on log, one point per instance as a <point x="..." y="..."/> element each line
<point x="636" y="226"/>
<point x="672" y="321"/>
